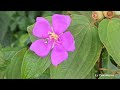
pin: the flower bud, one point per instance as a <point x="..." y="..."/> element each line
<point x="97" y="15"/>
<point x="108" y="14"/>
<point x="117" y="12"/>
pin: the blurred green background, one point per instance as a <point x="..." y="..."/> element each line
<point x="13" y="26"/>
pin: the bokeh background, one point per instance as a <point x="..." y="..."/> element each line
<point x="13" y="26"/>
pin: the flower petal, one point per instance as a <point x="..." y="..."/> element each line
<point x="67" y="41"/>
<point x="59" y="54"/>
<point x="41" y="48"/>
<point x="41" y="28"/>
<point x="60" y="23"/>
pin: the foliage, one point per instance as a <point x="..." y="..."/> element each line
<point x="97" y="54"/>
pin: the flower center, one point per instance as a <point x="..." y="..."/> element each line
<point x="53" y="36"/>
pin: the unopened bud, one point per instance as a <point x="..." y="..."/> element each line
<point x="117" y="12"/>
<point x="97" y="15"/>
<point x="108" y="14"/>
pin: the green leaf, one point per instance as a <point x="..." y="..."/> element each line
<point x="9" y="52"/>
<point x="23" y="40"/>
<point x="109" y="66"/>
<point x="33" y="66"/>
<point x="50" y="13"/>
<point x="2" y="70"/>
<point x="104" y="58"/>
<point x="107" y="63"/>
<point x="5" y="57"/>
<point x="0" y="46"/>
<point x="45" y="75"/>
<point x="91" y="74"/>
<point x="1" y="59"/>
<point x="109" y="33"/>
<point x="78" y="23"/>
<point x="47" y="13"/>
<point x="4" y="23"/>
<point x="88" y="14"/>
<point x="14" y="68"/>
<point x="88" y="48"/>
<point x="106" y="76"/>
<point x="22" y="22"/>
<point x="29" y="29"/>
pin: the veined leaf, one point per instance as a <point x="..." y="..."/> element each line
<point x="5" y="58"/>
<point x="14" y="68"/>
<point x="33" y="66"/>
<point x="109" y="33"/>
<point x="79" y="63"/>
<point x="88" y="14"/>
<point x="88" y="48"/>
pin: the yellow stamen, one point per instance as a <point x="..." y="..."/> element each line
<point x="53" y="36"/>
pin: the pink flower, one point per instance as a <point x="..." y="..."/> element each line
<point x="53" y="38"/>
